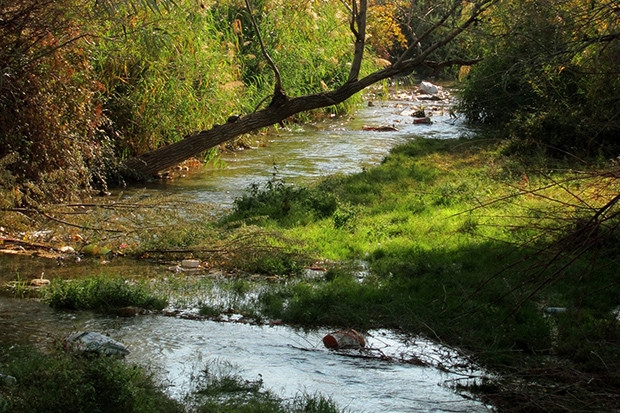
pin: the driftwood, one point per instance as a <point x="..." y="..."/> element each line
<point x="27" y="245"/>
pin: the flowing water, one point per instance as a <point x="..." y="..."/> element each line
<point x="287" y="360"/>
<point x="302" y="154"/>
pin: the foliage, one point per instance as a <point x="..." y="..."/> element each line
<point x="256" y="251"/>
<point x="166" y="73"/>
<point x="60" y="382"/>
<point x="550" y="75"/>
<point x="395" y="26"/>
<point x="220" y="389"/>
<point x="101" y="294"/>
<point x="84" y="86"/>
<point x="50" y="146"/>
<point x="384" y="29"/>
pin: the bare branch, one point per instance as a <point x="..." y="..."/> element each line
<point x="278" y="94"/>
<point x="358" y="19"/>
<point x="478" y="8"/>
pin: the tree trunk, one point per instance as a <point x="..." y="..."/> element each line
<point x="150" y="163"/>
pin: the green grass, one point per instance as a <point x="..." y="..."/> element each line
<point x="461" y="246"/>
<point x="54" y="381"/>
<point x="60" y="382"/>
<point x="102" y="293"/>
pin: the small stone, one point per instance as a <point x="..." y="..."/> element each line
<point x="190" y="263"/>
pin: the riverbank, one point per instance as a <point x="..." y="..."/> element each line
<point x="469" y="246"/>
<point x="452" y="239"/>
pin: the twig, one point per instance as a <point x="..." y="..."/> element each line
<point x="279" y="96"/>
<point x="28" y="243"/>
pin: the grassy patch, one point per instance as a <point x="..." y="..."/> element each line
<point x="463" y="244"/>
<point x="60" y="382"/>
<point x="105" y="294"/>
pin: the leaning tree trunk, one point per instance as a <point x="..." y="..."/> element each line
<point x="281" y="107"/>
<point x="150" y="163"/>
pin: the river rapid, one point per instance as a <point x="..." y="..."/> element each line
<point x="397" y="374"/>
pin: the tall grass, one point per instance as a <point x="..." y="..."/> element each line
<point x="184" y="69"/>
<point x="87" y="85"/>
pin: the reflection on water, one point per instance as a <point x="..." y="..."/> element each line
<point x="289" y="361"/>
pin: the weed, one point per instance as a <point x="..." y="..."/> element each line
<point x="285" y="204"/>
<point x="60" y="382"/>
<point x="220" y="388"/>
<point x="101" y="294"/>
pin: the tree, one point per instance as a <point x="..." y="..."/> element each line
<point x="442" y="24"/>
<point x="49" y="109"/>
<point x="550" y="74"/>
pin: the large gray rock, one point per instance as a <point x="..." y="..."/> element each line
<point x="94" y="343"/>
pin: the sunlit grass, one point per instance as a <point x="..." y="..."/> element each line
<point x="102" y="293"/>
<point x="450" y="230"/>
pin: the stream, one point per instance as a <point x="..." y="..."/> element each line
<point x="287" y="360"/>
<point x="303" y="154"/>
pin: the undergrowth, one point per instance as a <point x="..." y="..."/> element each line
<point x="56" y="381"/>
<point x="466" y="245"/>
<point x="104" y="294"/>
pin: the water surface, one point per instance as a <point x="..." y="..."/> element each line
<point x="289" y="361"/>
<point x="302" y="154"/>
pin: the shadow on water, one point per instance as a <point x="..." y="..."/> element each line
<point x="289" y="361"/>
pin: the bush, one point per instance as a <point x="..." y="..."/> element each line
<point x="285" y="204"/>
<point x="59" y="382"/>
<point x="549" y="76"/>
<point x="50" y="146"/>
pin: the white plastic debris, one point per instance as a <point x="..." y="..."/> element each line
<point x="429" y="88"/>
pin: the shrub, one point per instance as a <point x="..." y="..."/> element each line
<point x="59" y="382"/>
<point x="549" y="75"/>
<point x="285" y="204"/>
<point x="50" y="146"/>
